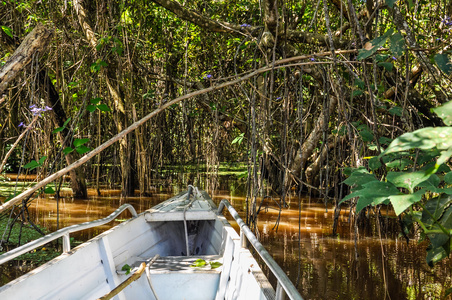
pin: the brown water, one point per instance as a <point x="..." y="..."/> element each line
<point x="322" y="266"/>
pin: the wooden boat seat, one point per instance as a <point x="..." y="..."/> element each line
<point x="174" y="210"/>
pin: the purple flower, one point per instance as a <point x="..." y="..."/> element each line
<point x="312" y="59"/>
<point x="36" y="110"/>
<point x="208" y="76"/>
<point x="21" y="124"/>
<point x="447" y="21"/>
<point x="32" y="106"/>
<point x="47" y="108"/>
<point x="279" y="98"/>
<point x="394" y="58"/>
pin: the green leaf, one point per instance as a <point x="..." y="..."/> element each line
<point x="103" y="107"/>
<point x="62" y="128"/>
<point x="381" y="57"/>
<point x="31" y="165"/>
<point x="359" y="83"/>
<point x="42" y="159"/>
<point x="8" y="31"/>
<point x="366" y="135"/>
<point x="79" y="142"/>
<point x="359" y="177"/>
<point x="58" y="129"/>
<point x="66" y="122"/>
<point x="357" y="93"/>
<point x="376" y="44"/>
<point x="82" y="149"/>
<point x="408" y="180"/>
<point x="448" y="178"/>
<point x="90" y="108"/>
<point x="49" y="190"/>
<point x="448" y="292"/>
<point x="434" y="255"/>
<point x="374" y="163"/>
<point x="384" y="140"/>
<point x="95" y="101"/>
<point x="425" y="138"/>
<point x="435" y="207"/>
<point x="396" y="110"/>
<point x="402" y="202"/>
<point x="238" y="139"/>
<point x="387" y="65"/>
<point x="372" y="193"/>
<point x="363" y="54"/>
<point x="126" y="268"/>
<point x="400" y="163"/>
<point x="390" y="3"/>
<point x="397" y="44"/>
<point x="199" y="263"/>
<point x="431" y="183"/>
<point x="444" y="112"/>
<point x="443" y="62"/>
<point x="215" y="264"/>
<point x="67" y="150"/>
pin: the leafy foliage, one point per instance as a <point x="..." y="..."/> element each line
<point x="407" y="189"/>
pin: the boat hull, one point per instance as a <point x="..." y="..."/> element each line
<point x="94" y="268"/>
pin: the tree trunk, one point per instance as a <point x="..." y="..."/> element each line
<point x="35" y="42"/>
<point x="127" y="182"/>
<point x="78" y="182"/>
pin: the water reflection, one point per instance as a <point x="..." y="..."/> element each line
<point x="323" y="267"/>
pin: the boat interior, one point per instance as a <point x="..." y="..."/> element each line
<point x="180" y="237"/>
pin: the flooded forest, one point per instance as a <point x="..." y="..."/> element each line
<point x="326" y="123"/>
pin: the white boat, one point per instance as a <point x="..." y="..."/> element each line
<point x="183" y="248"/>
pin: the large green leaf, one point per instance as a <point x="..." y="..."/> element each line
<point x="82" y="149"/>
<point x="372" y="193"/>
<point x="366" y="135"/>
<point x="31" y="165"/>
<point x="435" y="207"/>
<point x="425" y="138"/>
<point x="402" y="202"/>
<point x="374" y="163"/>
<point x="359" y="177"/>
<point x="408" y="180"/>
<point x="400" y="163"/>
<point x="448" y="178"/>
<point x="397" y="44"/>
<point x="390" y="3"/>
<point x="431" y="184"/>
<point x="434" y="255"/>
<point x="376" y="44"/>
<point x="444" y="112"/>
<point x="90" y="108"/>
<point x="79" y="142"/>
<point x="103" y="107"/>
<point x="387" y="65"/>
<point x="443" y="62"/>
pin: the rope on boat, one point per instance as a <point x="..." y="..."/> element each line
<point x="190" y="190"/>
<point x="148" y="274"/>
